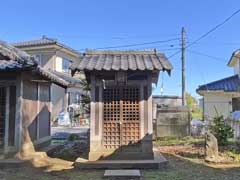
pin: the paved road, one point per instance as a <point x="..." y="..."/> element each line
<point x="64" y="132"/>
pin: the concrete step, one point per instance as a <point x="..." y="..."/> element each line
<point x="133" y="174"/>
<point x="158" y="162"/>
<point x="12" y="163"/>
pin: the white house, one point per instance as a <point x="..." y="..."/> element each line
<point x="56" y="58"/>
<point x="222" y="96"/>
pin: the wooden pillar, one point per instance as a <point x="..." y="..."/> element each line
<point x="95" y="126"/>
<point x="100" y="110"/>
<point x="96" y="118"/>
<point x="149" y="84"/>
<point x="7" y="107"/>
<point x="50" y="108"/>
<point x="147" y="140"/>
<point x="92" y="108"/>
<point x="18" y="122"/>
<point x="141" y="106"/>
<point x="145" y="105"/>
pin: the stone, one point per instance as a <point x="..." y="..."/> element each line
<point x="211" y="148"/>
<point x="122" y="174"/>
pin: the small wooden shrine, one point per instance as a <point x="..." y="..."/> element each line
<point x="121" y="101"/>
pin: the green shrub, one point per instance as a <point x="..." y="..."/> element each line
<point x="73" y="137"/>
<point x="221" y="130"/>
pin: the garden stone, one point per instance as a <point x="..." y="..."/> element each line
<point x="211" y="148"/>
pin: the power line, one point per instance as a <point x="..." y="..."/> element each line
<point x="172" y="45"/>
<point x="208" y="32"/>
<point x="80" y="50"/>
<point x="206" y="55"/>
<point x="159" y="49"/>
<point x="97" y="36"/>
<point x="137" y="44"/>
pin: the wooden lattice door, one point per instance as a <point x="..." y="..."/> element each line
<point x="121" y="126"/>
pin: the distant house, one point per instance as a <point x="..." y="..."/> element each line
<point x="222" y="95"/>
<point x="56" y="58"/>
<point x="25" y="99"/>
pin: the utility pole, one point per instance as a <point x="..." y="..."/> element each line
<point x="183" y="65"/>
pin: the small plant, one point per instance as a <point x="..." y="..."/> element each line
<point x="221" y="130"/>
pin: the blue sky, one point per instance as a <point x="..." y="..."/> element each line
<point x="95" y="23"/>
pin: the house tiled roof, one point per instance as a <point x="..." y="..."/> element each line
<point x="10" y="64"/>
<point x="56" y="79"/>
<point x="229" y="84"/>
<point x="44" y="41"/>
<point x="13" y="59"/>
<point x="36" y="42"/>
<point x="123" y="60"/>
<point x="72" y="81"/>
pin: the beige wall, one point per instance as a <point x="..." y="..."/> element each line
<point x="51" y="58"/>
<point x="48" y="60"/>
<point x="59" y="60"/>
<point x="47" y="57"/>
<point x="58" y="64"/>
<point x="222" y="102"/>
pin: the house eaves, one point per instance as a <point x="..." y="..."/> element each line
<point x="234" y="58"/>
<point x="45" y="43"/>
<point x="227" y="85"/>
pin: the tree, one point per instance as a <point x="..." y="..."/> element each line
<point x="192" y="104"/>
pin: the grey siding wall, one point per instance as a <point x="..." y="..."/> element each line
<point x="165" y="101"/>
<point x="172" y="122"/>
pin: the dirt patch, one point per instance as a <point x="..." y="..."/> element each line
<point x="191" y="150"/>
<point x="195" y="151"/>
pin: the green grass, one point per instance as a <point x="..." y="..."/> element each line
<point x="177" y="169"/>
<point x="183" y="169"/>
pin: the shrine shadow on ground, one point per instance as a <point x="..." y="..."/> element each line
<point x="139" y="150"/>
